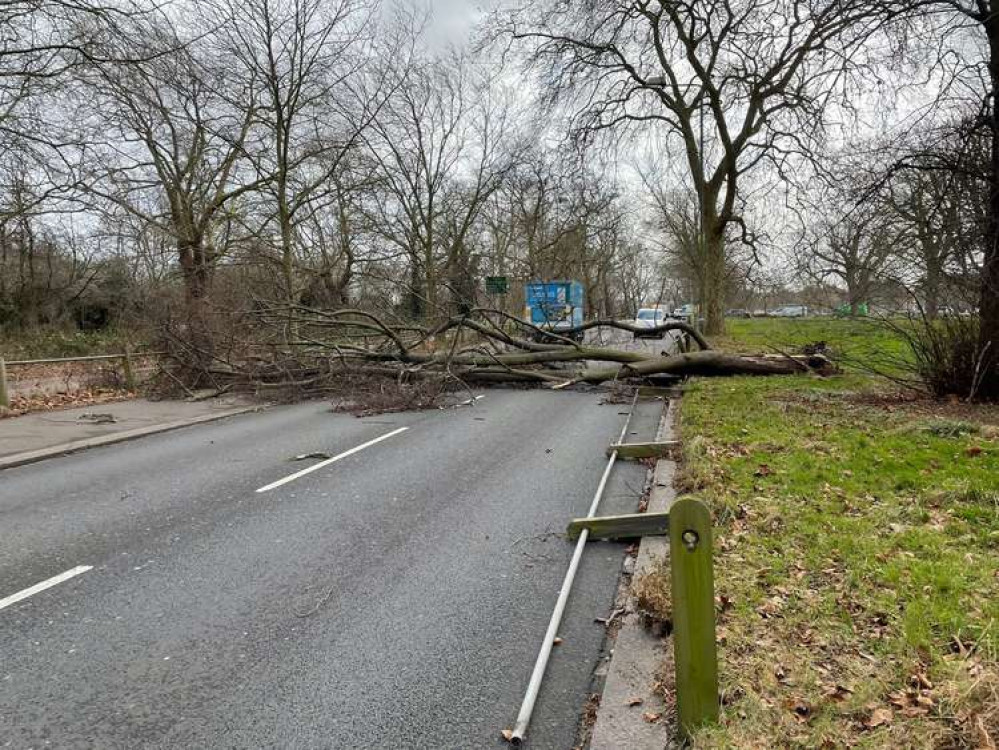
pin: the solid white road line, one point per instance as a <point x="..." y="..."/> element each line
<point x="53" y="581"/>
<point x="328" y="461"/>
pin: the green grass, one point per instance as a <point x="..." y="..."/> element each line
<point x="862" y="344"/>
<point x="857" y="552"/>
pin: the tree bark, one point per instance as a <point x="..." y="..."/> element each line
<point x="989" y="291"/>
<point x="197" y="272"/>
<point x="713" y="301"/>
<point x="709" y="363"/>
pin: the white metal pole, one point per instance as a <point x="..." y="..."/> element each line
<point x="534" y="686"/>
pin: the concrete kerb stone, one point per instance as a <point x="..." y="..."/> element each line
<point x="29" y="457"/>
<point x="639" y="654"/>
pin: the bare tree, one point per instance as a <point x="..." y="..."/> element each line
<point x="167" y="146"/>
<point x="303" y="59"/>
<point x="855" y="251"/>
<point x="440" y="153"/>
<point x="754" y="76"/>
<point x="963" y="39"/>
<point x="42" y="40"/>
<point x="44" y="267"/>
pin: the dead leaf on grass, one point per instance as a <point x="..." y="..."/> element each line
<point x="921" y="681"/>
<point x="879" y="717"/>
<point x="837" y="693"/>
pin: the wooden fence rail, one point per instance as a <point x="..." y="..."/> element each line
<point x="125" y="357"/>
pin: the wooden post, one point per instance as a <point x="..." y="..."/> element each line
<point x="4" y="393"/>
<point x="693" y="614"/>
<point x="126" y="363"/>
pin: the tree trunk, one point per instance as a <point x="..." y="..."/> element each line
<point x="197" y="273"/>
<point x="416" y="304"/>
<point x="989" y="290"/>
<point x="713" y="299"/>
<point x="195" y="268"/>
<point x="709" y="364"/>
<point x="931" y="289"/>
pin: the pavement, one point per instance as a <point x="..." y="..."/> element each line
<point x="391" y="598"/>
<point x="38" y="435"/>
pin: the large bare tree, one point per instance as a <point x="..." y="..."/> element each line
<point x="304" y="59"/>
<point x="735" y="83"/>
<point x="166" y="144"/>
<point x="855" y="252"/>
<point x="441" y="153"/>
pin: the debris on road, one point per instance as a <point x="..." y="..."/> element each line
<point x="102" y="418"/>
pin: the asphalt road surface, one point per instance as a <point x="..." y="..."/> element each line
<point x="394" y="598"/>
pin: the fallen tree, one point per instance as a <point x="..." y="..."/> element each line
<point x="340" y="350"/>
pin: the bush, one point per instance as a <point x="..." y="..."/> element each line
<point x="947" y="357"/>
<point x="59" y="343"/>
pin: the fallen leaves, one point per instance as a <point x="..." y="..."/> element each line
<point x="771" y="607"/>
<point x="651" y="717"/>
<point x="26" y="404"/>
<point x="917" y="700"/>
<point x="879" y="717"/>
<point x="836" y="693"/>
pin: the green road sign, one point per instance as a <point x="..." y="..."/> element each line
<point x="497" y="285"/>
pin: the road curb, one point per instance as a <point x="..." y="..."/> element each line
<point x="74" y="446"/>
<point x="638" y="654"/>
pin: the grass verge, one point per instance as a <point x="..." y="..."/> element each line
<point x="857" y="547"/>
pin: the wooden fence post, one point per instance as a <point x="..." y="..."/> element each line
<point x="4" y="393"/>
<point x="693" y="614"/>
<point x="126" y="363"/>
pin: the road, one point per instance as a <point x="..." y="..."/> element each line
<point x="394" y="598"/>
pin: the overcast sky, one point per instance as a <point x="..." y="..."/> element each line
<point x="453" y="19"/>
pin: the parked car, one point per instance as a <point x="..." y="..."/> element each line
<point x="686" y="311"/>
<point x="790" y="311"/>
<point x="738" y="312"/>
<point x="649" y="317"/>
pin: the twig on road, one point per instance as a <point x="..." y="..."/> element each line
<point x="325" y="598"/>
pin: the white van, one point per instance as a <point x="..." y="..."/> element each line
<point x="649" y="317"/>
